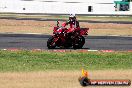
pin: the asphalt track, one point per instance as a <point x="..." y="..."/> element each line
<point x="31" y="41"/>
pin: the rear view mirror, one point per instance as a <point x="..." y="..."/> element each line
<point x="57" y="23"/>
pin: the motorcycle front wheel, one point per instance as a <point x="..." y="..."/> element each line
<point x="51" y="43"/>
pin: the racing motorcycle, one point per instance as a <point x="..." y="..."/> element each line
<point x="62" y="39"/>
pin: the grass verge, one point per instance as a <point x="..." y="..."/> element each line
<point x="42" y="61"/>
<point x="65" y="17"/>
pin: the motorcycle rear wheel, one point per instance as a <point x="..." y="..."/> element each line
<point x="79" y="42"/>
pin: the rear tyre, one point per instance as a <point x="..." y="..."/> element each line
<point x="79" y="42"/>
<point x="50" y="43"/>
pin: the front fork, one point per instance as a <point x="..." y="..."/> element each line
<point x="59" y="41"/>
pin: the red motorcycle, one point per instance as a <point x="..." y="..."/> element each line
<point x="62" y="39"/>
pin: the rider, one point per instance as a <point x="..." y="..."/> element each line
<point x="74" y="25"/>
<point x="73" y="22"/>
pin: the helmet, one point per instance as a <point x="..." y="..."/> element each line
<point x="72" y="17"/>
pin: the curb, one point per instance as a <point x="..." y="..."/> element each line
<point x="62" y="50"/>
<point x="107" y="50"/>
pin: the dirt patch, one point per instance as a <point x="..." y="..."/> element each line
<point x="57" y="79"/>
<point x="101" y="29"/>
<point x="25" y="26"/>
<point x="45" y="27"/>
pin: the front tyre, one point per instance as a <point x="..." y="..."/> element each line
<point x="51" y="43"/>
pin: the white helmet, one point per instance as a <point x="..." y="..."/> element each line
<point x="72" y="17"/>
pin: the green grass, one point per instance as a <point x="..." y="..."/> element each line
<point x="42" y="61"/>
<point x="95" y="18"/>
<point x="110" y="18"/>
